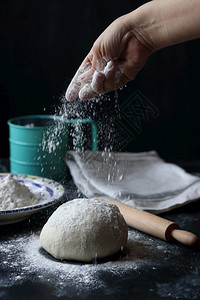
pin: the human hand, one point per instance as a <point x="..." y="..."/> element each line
<point x="115" y="59"/>
<point x="123" y="48"/>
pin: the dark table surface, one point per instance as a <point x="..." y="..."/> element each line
<point x="148" y="269"/>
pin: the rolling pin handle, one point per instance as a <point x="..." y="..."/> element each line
<point x="185" y="237"/>
<point x="154" y="225"/>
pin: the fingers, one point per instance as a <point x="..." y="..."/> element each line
<point x="102" y="80"/>
<point x="81" y="84"/>
<point x="86" y="92"/>
<point x="73" y="89"/>
<point x="89" y="82"/>
<point x="75" y="86"/>
<point x="110" y="79"/>
<point x="92" y="80"/>
<point x="113" y="76"/>
<point x="97" y="83"/>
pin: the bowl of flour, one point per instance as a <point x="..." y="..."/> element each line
<point x="22" y="195"/>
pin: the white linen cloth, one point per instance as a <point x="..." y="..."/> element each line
<point x="142" y="180"/>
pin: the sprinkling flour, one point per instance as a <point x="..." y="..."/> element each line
<point x="104" y="110"/>
<point x="14" y="194"/>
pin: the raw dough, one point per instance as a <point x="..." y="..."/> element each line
<point x="84" y="229"/>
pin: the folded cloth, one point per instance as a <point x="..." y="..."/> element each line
<point x="142" y="180"/>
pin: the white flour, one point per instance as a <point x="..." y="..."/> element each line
<point x="104" y="110"/>
<point x="26" y="260"/>
<point x="14" y="194"/>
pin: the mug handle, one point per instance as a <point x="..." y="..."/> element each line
<point x="94" y="129"/>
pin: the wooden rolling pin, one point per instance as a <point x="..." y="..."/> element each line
<point x="154" y="225"/>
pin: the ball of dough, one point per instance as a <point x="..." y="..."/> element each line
<point x="84" y="229"/>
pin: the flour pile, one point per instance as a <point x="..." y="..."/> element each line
<point x="14" y="194"/>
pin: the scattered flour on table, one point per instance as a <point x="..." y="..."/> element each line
<point x="25" y="259"/>
<point x="14" y="194"/>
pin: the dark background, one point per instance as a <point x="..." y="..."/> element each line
<point x="42" y="44"/>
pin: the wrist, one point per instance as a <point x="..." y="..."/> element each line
<point x="144" y="23"/>
<point x="158" y="24"/>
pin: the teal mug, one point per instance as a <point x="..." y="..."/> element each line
<point x="38" y="144"/>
